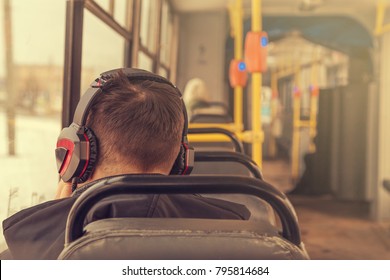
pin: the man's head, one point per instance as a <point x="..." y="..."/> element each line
<point x="138" y="124"/>
<point x="128" y="121"/>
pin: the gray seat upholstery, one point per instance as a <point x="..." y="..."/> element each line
<point x="169" y="239"/>
<point x="259" y="209"/>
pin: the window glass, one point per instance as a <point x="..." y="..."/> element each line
<point x="145" y="62"/>
<point x="2" y="56"/>
<point x="166" y="33"/>
<point x="30" y="176"/>
<point x="148" y="26"/>
<point x="103" y="49"/>
<point x="123" y="9"/>
<point x="120" y="9"/>
<point x="163" y="72"/>
<point x="104" y="4"/>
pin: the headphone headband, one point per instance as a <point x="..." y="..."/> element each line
<point x="132" y="74"/>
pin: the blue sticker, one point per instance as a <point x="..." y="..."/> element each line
<point x="264" y="41"/>
<point x="241" y="66"/>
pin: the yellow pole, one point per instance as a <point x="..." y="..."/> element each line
<point x="313" y="104"/>
<point x="296" y="129"/>
<point x="274" y="113"/>
<point x="256" y="93"/>
<point x="238" y="48"/>
<point x="313" y="120"/>
<point x="380" y="27"/>
<point x="380" y="15"/>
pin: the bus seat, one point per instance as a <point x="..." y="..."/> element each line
<point x="172" y="239"/>
<point x="206" y="164"/>
<point x="210" y="118"/>
<point x="220" y="168"/>
<point x="225" y="163"/>
<point x="260" y="210"/>
<point x="181" y="238"/>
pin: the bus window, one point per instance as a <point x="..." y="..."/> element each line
<point x="149" y="15"/>
<point x="31" y="78"/>
<point x="166" y="33"/>
<point x="103" y="49"/>
<point x="144" y="61"/>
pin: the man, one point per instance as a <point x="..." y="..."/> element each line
<point x="134" y="123"/>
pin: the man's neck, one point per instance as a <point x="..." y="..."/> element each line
<point x="100" y="173"/>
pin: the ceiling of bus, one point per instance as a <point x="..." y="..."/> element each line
<point x="336" y="32"/>
<point x="344" y="25"/>
<point x="278" y="6"/>
<point x="362" y="10"/>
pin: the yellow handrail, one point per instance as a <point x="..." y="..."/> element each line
<point x="245" y="136"/>
<point x="229" y="126"/>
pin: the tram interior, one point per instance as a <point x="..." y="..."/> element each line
<point x="324" y="134"/>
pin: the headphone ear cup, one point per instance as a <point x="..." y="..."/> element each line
<point x="93" y="155"/>
<point x="184" y="162"/>
<point x="179" y="165"/>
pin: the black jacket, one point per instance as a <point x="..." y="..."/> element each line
<point x="38" y="232"/>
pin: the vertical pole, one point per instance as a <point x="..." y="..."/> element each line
<point x="296" y="128"/>
<point x="129" y="27"/>
<point x="156" y="60"/>
<point x="257" y="154"/>
<point x="274" y="112"/>
<point x="238" y="47"/>
<point x="136" y="32"/>
<point x="380" y="15"/>
<point x="314" y="91"/>
<point x="9" y="77"/>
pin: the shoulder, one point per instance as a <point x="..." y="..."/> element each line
<point x="37" y="232"/>
<point x="48" y="207"/>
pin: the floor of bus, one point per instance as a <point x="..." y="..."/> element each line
<point x="332" y="229"/>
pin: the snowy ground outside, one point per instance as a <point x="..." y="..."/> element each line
<point x="33" y="170"/>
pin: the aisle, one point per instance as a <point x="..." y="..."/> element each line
<point x="341" y="229"/>
<point x="333" y="229"/>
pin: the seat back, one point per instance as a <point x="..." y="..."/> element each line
<point x="211" y="146"/>
<point x="172" y="239"/>
<point x="210" y="118"/>
<point x="225" y="163"/>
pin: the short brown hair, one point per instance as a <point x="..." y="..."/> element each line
<point x="139" y="123"/>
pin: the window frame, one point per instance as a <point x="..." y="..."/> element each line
<point x="131" y="35"/>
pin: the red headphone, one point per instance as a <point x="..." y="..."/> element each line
<point x="77" y="146"/>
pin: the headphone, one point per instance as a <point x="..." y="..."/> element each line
<point x="77" y="145"/>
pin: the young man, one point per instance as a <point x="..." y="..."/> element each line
<point x="134" y="125"/>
